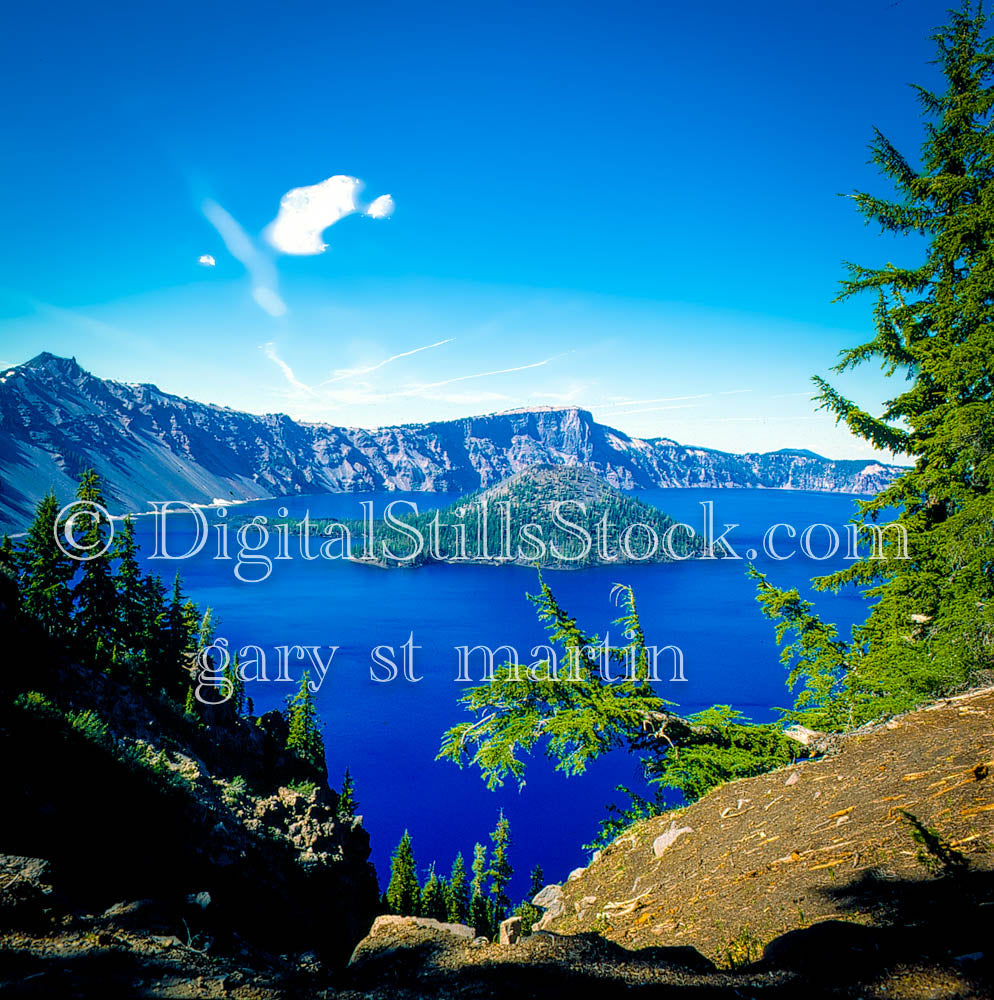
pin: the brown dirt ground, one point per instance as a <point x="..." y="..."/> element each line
<point x="825" y="839"/>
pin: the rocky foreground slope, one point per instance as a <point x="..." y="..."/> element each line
<point x="56" y="419"/>
<point x="868" y="872"/>
<point x="132" y="833"/>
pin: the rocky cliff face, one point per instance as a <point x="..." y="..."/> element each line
<point x="57" y="419"/>
<point x="138" y="809"/>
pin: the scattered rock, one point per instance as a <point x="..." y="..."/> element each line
<point x="479" y="942"/>
<point x="669" y="837"/>
<point x="575" y="873"/>
<point x="24" y="890"/>
<point x="793" y="778"/>
<point x="383" y="925"/>
<point x="510" y="930"/>
<point x="545" y="897"/>
<point x="393" y="941"/>
<point x="167" y="940"/>
<point x="549" y="899"/>
<point x="801" y="734"/>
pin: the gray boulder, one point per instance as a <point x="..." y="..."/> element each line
<point x="544" y="898"/>
<point x="510" y="930"/>
<point x="669" y="837"/>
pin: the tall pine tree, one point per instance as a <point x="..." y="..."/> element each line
<point x="404" y="893"/>
<point x="457" y="894"/>
<point x="131" y="638"/>
<point x="94" y="593"/>
<point x="46" y="571"/>
<point x="479" y="905"/>
<point x="433" y="902"/>
<point x="347" y="801"/>
<point x="931" y="628"/>
<point x="304" y="736"/>
<point x="500" y="871"/>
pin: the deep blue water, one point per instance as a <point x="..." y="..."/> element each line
<point x="388" y="734"/>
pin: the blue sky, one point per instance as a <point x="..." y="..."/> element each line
<point x="630" y="207"/>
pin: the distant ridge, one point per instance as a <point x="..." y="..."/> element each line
<point x="57" y="419"/>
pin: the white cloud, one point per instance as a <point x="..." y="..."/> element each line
<point x="270" y="350"/>
<point x="206" y="260"/>
<point x="306" y="212"/>
<point x="381" y="208"/>
<point x="463" y="378"/>
<point x="344" y="373"/>
<point x="260" y="267"/>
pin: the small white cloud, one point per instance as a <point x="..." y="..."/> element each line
<point x="306" y="212"/>
<point x="381" y="208"/>
<point x="206" y="260"/>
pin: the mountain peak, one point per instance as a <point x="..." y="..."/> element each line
<point x="67" y="367"/>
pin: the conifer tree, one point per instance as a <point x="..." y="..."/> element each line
<point x="94" y="593"/>
<point x="304" y="736"/>
<point x="404" y="892"/>
<point x="433" y="903"/>
<point x="347" y="801"/>
<point x="190" y="706"/>
<point x="931" y="626"/>
<point x="457" y="893"/>
<point x="233" y="676"/>
<point x="131" y="639"/>
<point x="479" y="905"/>
<point x="530" y="914"/>
<point x="128" y="583"/>
<point x="10" y="596"/>
<point x="46" y="571"/>
<point x="155" y="631"/>
<point x="500" y="871"/>
<point x="536" y="881"/>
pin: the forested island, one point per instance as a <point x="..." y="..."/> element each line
<point x="550" y="516"/>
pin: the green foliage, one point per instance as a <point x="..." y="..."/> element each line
<point x="500" y="870"/>
<point x="582" y="715"/>
<point x="480" y="910"/>
<point x="433" y="897"/>
<point x="930" y="629"/>
<point x="45" y="572"/>
<point x="305" y="788"/>
<point x="235" y="789"/>
<point x="719" y="748"/>
<point x="457" y="893"/>
<point x="233" y="676"/>
<point x="94" y="593"/>
<point x="347" y="801"/>
<point x="38" y="704"/>
<point x="304" y="736"/>
<point x="112" y="620"/>
<point x="404" y="891"/>
<point x="575" y="713"/>
<point x="742" y="950"/>
<point x="620" y="818"/>
<point x="476" y="527"/>
<point x="89" y="725"/>
<point x="130" y="600"/>
<point x="529" y="913"/>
